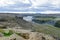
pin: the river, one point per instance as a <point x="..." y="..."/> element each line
<point x="28" y="18"/>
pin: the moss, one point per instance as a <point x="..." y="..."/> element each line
<point x="9" y="33"/>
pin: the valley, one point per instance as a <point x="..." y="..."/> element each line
<point x="13" y="27"/>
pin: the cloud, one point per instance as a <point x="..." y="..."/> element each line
<point x="37" y="3"/>
<point x="11" y="2"/>
<point x="17" y="12"/>
<point x="6" y="3"/>
<point x="29" y="5"/>
<point x="55" y="3"/>
<point x="51" y="3"/>
<point x="50" y="12"/>
<point x="25" y="1"/>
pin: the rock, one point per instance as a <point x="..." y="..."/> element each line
<point x="24" y="35"/>
<point x="1" y="35"/>
<point x="28" y="36"/>
<point x="16" y="37"/>
<point x="40" y="36"/>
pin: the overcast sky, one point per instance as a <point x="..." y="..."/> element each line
<point x="36" y="6"/>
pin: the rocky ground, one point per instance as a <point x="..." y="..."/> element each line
<point x="21" y="34"/>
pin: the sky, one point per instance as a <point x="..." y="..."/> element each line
<point x="30" y="6"/>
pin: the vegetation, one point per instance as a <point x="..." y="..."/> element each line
<point x="43" y="19"/>
<point x="57" y="24"/>
<point x="8" y="33"/>
<point x="52" y="30"/>
<point x="40" y="21"/>
<point x="47" y="29"/>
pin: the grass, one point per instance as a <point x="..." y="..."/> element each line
<point x="8" y="33"/>
<point x="47" y="29"/>
<point x="44" y="18"/>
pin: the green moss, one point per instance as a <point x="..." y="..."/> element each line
<point x="9" y="33"/>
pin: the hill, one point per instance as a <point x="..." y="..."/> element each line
<point x="10" y="26"/>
